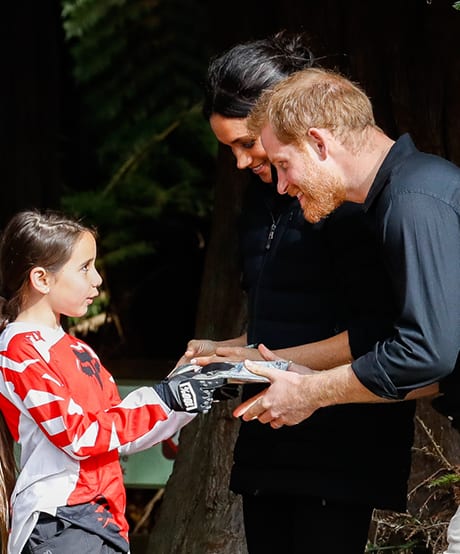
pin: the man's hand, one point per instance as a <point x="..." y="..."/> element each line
<point x="186" y="392"/>
<point x="285" y="402"/>
<point x="294" y="395"/>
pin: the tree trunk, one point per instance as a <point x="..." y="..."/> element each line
<point x="407" y="59"/>
<point x="199" y="514"/>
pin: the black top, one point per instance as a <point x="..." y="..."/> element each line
<point x="415" y="203"/>
<point x="305" y="283"/>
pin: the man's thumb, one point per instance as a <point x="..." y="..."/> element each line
<point x="258" y="367"/>
<point x="267" y="368"/>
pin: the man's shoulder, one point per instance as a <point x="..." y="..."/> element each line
<point x="425" y="175"/>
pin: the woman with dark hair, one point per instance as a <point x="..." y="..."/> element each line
<point x="310" y="487"/>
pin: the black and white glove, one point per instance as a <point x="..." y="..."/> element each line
<point x="187" y="392"/>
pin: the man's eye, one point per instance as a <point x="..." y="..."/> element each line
<point x="248" y="145"/>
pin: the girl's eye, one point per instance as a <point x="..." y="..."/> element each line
<point x="85" y="267"/>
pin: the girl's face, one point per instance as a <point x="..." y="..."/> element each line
<point x="73" y="288"/>
<point x="249" y="153"/>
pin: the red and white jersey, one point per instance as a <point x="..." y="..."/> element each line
<point x="64" y="409"/>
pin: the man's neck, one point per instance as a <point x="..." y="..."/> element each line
<point x="367" y="164"/>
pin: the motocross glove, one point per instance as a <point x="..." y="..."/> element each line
<point x="187" y="392"/>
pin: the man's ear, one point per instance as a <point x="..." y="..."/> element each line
<point x="318" y="141"/>
<point x="39" y="279"/>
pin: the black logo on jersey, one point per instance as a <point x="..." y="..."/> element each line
<point x="88" y="363"/>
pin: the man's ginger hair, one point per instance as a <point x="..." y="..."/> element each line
<point x="318" y="98"/>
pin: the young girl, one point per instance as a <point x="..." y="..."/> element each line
<point x="61" y="405"/>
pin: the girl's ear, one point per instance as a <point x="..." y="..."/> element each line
<point x="39" y="279"/>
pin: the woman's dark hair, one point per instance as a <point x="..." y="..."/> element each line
<point x="31" y="238"/>
<point x="237" y="77"/>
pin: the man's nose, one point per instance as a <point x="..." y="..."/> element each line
<point x="282" y="185"/>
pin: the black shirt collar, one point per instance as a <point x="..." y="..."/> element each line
<point x="402" y="148"/>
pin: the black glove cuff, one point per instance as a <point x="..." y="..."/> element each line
<point x="187" y="394"/>
<point x="164" y="392"/>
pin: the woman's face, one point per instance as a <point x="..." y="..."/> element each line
<point x="249" y="153"/>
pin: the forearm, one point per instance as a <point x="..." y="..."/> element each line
<point x="429" y="390"/>
<point x="341" y="386"/>
<point x="319" y="355"/>
<point x="237" y="341"/>
<point x="295" y="395"/>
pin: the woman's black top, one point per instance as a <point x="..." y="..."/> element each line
<point x="305" y="283"/>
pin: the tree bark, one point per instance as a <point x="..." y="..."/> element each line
<point x="199" y="514"/>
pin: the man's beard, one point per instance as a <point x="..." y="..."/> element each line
<point x="322" y="194"/>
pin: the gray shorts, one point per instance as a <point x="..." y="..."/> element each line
<point x="53" y="535"/>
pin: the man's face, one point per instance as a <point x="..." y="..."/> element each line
<point x="302" y="174"/>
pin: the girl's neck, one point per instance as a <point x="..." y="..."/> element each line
<point x="39" y="314"/>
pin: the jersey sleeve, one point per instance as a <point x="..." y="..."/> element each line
<point x="78" y="408"/>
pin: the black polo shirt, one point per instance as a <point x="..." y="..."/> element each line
<point x="415" y="200"/>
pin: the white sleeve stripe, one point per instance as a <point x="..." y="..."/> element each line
<point x="54" y="426"/>
<point x="36" y="398"/>
<point x="114" y="440"/>
<point x="10" y="364"/>
<point x="88" y="438"/>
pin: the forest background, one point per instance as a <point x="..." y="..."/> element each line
<point x="100" y="116"/>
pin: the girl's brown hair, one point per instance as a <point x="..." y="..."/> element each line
<point x="31" y="238"/>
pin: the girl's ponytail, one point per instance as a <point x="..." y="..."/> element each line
<point x="8" y="472"/>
